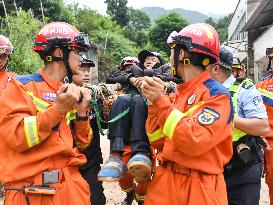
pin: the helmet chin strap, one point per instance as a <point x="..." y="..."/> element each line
<point x="67" y="65"/>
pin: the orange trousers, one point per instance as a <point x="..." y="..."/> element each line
<point x="168" y="188"/>
<point x="269" y="169"/>
<point x="73" y="189"/>
<point x="127" y="183"/>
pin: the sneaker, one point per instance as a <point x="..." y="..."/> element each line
<point x="112" y="170"/>
<point x="129" y="198"/>
<point x="140" y="166"/>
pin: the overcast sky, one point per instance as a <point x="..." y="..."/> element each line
<point x="219" y="7"/>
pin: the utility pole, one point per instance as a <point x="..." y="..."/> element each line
<point x="6" y="14"/>
<point x="42" y="9"/>
<point x="15" y="5"/>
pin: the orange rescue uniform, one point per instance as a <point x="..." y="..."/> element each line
<point x="265" y="88"/>
<point x="193" y="130"/>
<point x="35" y="138"/>
<point x="4" y="75"/>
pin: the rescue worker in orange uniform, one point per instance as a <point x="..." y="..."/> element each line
<point x="193" y="127"/>
<point x="244" y="171"/>
<point x="6" y="49"/>
<point x="45" y="123"/>
<point x="265" y="86"/>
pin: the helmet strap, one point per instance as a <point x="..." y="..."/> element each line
<point x="67" y="65"/>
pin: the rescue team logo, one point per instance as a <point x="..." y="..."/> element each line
<point x="208" y="116"/>
<point x="49" y="97"/>
<point x="191" y="99"/>
<point x="269" y="87"/>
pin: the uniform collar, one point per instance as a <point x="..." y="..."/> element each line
<point x="55" y="85"/>
<point x="229" y="82"/>
<point x="194" y="83"/>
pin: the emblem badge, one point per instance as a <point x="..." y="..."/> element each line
<point x="208" y="116"/>
<point x="192" y="99"/>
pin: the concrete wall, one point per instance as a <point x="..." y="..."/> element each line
<point x="259" y="46"/>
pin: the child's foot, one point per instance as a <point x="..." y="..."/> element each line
<point x="112" y="170"/>
<point x="140" y="166"/>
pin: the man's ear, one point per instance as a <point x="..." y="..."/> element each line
<point x="216" y="69"/>
<point x="58" y="53"/>
<point x="181" y="54"/>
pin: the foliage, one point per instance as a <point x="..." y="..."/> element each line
<point x="22" y="32"/>
<point x="136" y="29"/>
<point x="113" y="47"/>
<point x="117" y="10"/>
<point x="162" y="29"/>
<point x="54" y="10"/>
<point x="221" y="26"/>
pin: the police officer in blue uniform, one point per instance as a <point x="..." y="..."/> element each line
<point x="244" y="171"/>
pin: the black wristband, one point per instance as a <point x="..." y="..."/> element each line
<point x="82" y="118"/>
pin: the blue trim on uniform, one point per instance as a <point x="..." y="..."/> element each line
<point x="267" y="101"/>
<point x="216" y="88"/>
<point x="24" y="79"/>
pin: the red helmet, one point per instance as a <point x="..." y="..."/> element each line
<point x="5" y="45"/>
<point x="199" y="38"/>
<point x="128" y="61"/>
<point x="60" y="34"/>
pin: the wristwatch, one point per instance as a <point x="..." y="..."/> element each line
<point x="82" y="118"/>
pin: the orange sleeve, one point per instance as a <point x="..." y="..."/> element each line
<point x="208" y="125"/>
<point x="16" y="108"/>
<point x="152" y="124"/>
<point x="83" y="134"/>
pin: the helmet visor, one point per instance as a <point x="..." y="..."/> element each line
<point x="82" y="40"/>
<point x="6" y="50"/>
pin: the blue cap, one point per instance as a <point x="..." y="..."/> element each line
<point x="226" y="59"/>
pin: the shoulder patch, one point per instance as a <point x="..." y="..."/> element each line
<point x="24" y="79"/>
<point x="208" y="116"/>
<point x="215" y="88"/>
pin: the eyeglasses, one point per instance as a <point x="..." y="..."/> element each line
<point x="6" y="50"/>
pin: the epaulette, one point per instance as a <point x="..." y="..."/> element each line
<point x="24" y="79"/>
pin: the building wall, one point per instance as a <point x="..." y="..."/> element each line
<point x="237" y="40"/>
<point x="259" y="46"/>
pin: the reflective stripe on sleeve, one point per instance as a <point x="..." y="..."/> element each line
<point x="39" y="104"/>
<point x="156" y="135"/>
<point x="31" y="131"/>
<point x="171" y="122"/>
<point x="266" y="93"/>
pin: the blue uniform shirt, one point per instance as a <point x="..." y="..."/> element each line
<point x="249" y="102"/>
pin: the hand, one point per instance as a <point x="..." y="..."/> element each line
<point x="152" y="88"/>
<point x="83" y="106"/>
<point x="67" y="97"/>
<point x="138" y="83"/>
<point x="132" y="80"/>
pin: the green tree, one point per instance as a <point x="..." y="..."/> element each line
<point x="222" y="28"/>
<point x="117" y="10"/>
<point x="54" y="10"/>
<point x="138" y="24"/>
<point x="211" y="22"/>
<point x="22" y="32"/>
<point x="162" y="29"/>
<point x="113" y="47"/>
